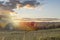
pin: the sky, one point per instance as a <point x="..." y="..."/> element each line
<point x="50" y="9"/>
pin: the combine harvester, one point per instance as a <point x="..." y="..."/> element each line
<point x="9" y="21"/>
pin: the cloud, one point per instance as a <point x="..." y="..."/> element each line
<point x="31" y="3"/>
<point x="11" y="4"/>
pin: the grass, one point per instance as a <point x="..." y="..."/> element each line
<point x="49" y="34"/>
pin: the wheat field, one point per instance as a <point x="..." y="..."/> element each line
<point x="48" y="34"/>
